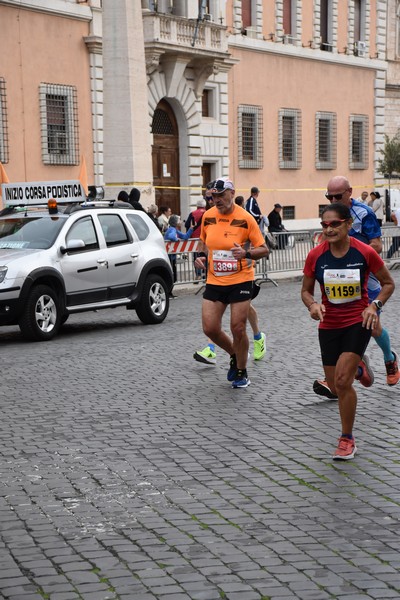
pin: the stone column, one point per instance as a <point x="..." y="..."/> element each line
<point x="127" y="138"/>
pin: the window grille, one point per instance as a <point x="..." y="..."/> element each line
<point x="358" y="142"/>
<point x="288" y="212"/>
<point x="162" y="124"/>
<point x="59" y="124"/>
<point x="250" y="134"/>
<point x="4" y="156"/>
<point x="325" y="140"/>
<point x="289" y="138"/>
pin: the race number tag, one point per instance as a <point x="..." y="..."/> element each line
<point x="342" y="285"/>
<point x="224" y="263"/>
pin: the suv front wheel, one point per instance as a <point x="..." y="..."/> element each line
<point x="154" y="303"/>
<point x="41" y="318"/>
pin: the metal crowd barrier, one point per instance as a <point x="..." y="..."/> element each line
<point x="290" y="254"/>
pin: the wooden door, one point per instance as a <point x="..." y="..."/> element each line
<point x="165" y="154"/>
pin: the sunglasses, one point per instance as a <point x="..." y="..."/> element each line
<point x="334" y="196"/>
<point x="334" y="224"/>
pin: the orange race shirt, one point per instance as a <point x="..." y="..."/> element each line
<point x="219" y="233"/>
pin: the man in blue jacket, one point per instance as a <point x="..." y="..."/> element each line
<point x="252" y="204"/>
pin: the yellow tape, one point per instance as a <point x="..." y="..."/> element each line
<point x="200" y="189"/>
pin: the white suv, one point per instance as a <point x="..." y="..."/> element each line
<point x="54" y="264"/>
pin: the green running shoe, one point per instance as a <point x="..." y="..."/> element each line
<point x="259" y="348"/>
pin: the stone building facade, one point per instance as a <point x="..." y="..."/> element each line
<point x="165" y="95"/>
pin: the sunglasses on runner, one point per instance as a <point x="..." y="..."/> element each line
<point x="334" y="224"/>
<point x="334" y="196"/>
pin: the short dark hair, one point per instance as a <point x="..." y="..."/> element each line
<point x="239" y="200"/>
<point x="340" y="209"/>
<point x="163" y="209"/>
<point x="254" y="190"/>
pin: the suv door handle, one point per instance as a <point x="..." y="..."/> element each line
<point x="103" y="261"/>
<point x="135" y="255"/>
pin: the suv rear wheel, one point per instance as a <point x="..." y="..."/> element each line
<point x="154" y="303"/>
<point x="41" y="318"/>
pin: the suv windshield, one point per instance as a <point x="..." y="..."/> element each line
<point x="29" y="232"/>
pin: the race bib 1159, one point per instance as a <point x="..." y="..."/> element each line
<point x="342" y="285"/>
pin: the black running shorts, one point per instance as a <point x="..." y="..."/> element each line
<point x="333" y="342"/>
<point x="228" y="294"/>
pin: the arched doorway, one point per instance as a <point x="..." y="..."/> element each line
<point x="165" y="155"/>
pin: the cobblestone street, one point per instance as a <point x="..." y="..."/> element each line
<point x="131" y="472"/>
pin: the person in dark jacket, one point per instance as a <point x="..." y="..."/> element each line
<point x="134" y="196"/>
<point x="276" y="226"/>
<point x="122" y="200"/>
<point x="252" y="204"/>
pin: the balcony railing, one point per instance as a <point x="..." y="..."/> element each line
<point x="181" y="32"/>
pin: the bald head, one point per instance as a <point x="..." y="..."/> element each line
<point x="339" y="186"/>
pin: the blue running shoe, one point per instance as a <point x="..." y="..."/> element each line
<point x="242" y="380"/>
<point x="231" y="376"/>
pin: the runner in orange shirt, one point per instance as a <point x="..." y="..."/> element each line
<point x="232" y="240"/>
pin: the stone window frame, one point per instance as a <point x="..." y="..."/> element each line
<point x="363" y="120"/>
<point x="296" y="142"/>
<point x="4" y="148"/>
<point x="71" y="135"/>
<point x="332" y="142"/>
<point x="256" y="161"/>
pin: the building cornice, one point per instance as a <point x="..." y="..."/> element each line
<point x="60" y="8"/>
<point x="291" y="51"/>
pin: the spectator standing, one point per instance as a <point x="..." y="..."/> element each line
<point x="173" y="234"/>
<point x="134" y="197"/>
<point x="165" y="213"/>
<point x="377" y="206"/>
<point x="252" y="204"/>
<point x="276" y="225"/>
<point x="239" y="200"/>
<point x="152" y="212"/>
<point x="395" y="216"/>
<point x="208" y="195"/>
<point x="195" y="221"/>
<point x="363" y="198"/>
<point x="122" y="200"/>
<point x="197" y="216"/>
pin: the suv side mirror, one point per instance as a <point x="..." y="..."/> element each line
<point x="72" y="245"/>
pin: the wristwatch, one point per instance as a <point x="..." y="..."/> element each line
<point x="378" y="304"/>
<point x="248" y="255"/>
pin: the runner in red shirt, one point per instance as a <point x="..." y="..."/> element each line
<point x="341" y="265"/>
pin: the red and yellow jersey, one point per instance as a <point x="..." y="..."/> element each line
<point x="343" y="281"/>
<point x="220" y="233"/>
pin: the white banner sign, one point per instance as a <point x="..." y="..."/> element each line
<point x="39" y="192"/>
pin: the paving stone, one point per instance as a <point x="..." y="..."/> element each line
<point x="192" y="486"/>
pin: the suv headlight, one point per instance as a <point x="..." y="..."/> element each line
<point x="3" y="273"/>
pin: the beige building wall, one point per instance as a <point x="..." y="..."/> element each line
<point x="39" y="45"/>
<point x="392" y="115"/>
<point x="277" y="75"/>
